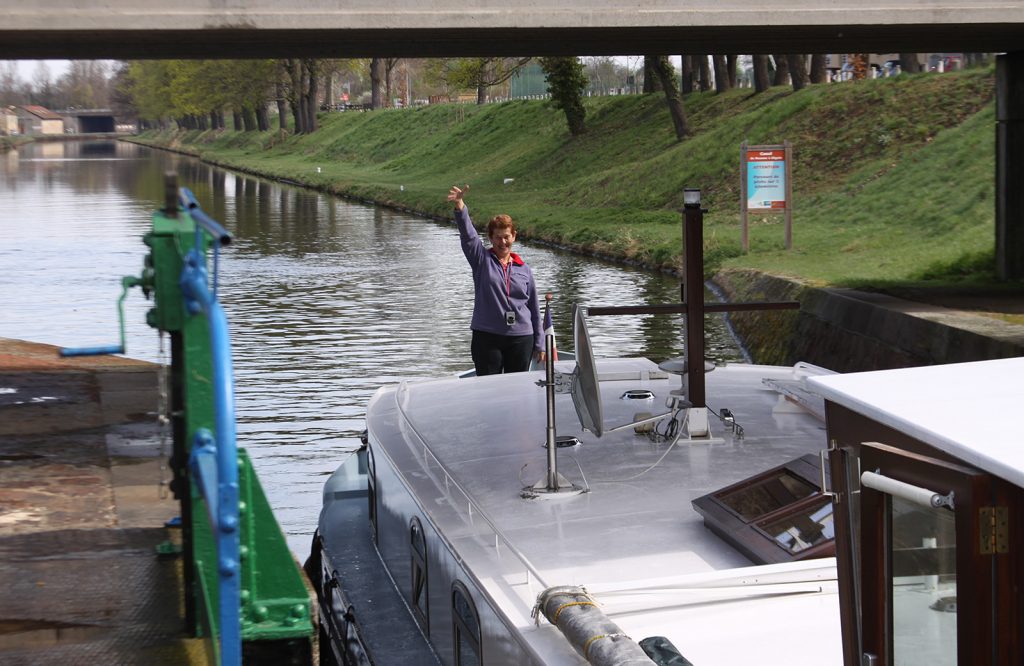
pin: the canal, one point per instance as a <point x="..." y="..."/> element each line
<point x="327" y="299"/>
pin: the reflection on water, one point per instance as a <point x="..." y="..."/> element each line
<point x="327" y="299"/>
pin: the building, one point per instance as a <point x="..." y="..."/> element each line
<point x="8" y="121"/>
<point x="37" y="120"/>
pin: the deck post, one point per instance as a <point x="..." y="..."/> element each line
<point x="693" y="297"/>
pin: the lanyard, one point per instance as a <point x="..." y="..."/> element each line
<point x="507" y="270"/>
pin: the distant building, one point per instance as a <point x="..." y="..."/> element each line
<point x="8" y="121"/>
<point x="89" y="121"/>
<point x="37" y="120"/>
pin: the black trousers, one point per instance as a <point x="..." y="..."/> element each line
<point x="494" y="354"/>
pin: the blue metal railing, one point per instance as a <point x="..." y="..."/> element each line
<point x="214" y="459"/>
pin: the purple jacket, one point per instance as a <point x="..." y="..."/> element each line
<point x="498" y="291"/>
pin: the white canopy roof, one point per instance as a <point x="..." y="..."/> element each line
<point x="968" y="410"/>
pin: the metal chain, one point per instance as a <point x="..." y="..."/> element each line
<point x="163" y="416"/>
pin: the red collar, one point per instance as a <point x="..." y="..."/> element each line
<point x="516" y="259"/>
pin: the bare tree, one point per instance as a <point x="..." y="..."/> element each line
<point x="376" y="82"/>
<point x="909" y="63"/>
<point x="819" y="73"/>
<point x="652" y="83"/>
<point x="311" y="77"/>
<point x="705" y="72"/>
<point x="730" y="62"/>
<point x="721" y="74"/>
<point x="687" y="75"/>
<point x="478" y="73"/>
<point x="282" y="103"/>
<point x="666" y="74"/>
<point x="797" y="70"/>
<point x="781" y="70"/>
<point x="761" y="80"/>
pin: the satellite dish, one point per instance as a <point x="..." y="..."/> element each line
<point x="586" y="395"/>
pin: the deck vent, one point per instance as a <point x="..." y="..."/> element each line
<point x="638" y="394"/>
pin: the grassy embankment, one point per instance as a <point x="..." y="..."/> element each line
<point x="893" y="178"/>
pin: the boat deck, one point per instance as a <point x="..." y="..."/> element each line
<point x="634" y="539"/>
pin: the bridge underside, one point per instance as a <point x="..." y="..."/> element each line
<point x="246" y="42"/>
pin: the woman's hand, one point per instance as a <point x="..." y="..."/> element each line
<point x="539" y="356"/>
<point x="455" y="194"/>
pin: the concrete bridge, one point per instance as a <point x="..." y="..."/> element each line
<point x="409" y="28"/>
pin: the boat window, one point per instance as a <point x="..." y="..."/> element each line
<point x="779" y="515"/>
<point x="418" y="566"/>
<point x="807" y="527"/>
<point x="466" y="627"/>
<point x="923" y="584"/>
<point x="371" y="488"/>
<point x="766" y="494"/>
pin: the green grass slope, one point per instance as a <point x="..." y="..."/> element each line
<point x="892" y="178"/>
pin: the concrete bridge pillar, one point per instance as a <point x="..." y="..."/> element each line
<point x="1010" y="166"/>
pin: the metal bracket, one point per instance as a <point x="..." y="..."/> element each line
<point x="994" y="528"/>
<point x="822" y="456"/>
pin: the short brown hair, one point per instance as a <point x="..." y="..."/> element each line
<point x="500" y="222"/>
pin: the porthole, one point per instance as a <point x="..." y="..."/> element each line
<point x="465" y="627"/>
<point x="418" y="590"/>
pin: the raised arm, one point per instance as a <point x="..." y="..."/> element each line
<point x="472" y="244"/>
<point x="455" y="194"/>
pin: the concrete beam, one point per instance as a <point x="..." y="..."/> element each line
<point x="409" y="28"/>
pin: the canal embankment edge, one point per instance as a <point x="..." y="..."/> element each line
<point x="846" y="330"/>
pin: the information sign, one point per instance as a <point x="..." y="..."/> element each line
<point x="765" y="186"/>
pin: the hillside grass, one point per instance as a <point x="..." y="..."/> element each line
<point x="892" y="178"/>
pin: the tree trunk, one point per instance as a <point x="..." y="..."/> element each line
<point x="761" y="81"/>
<point x="295" y="99"/>
<point x="730" y="63"/>
<point x="248" y="119"/>
<point x="481" y="94"/>
<point x="705" y="73"/>
<point x="781" y="70"/>
<point x="652" y="81"/>
<point x="236" y="120"/>
<point x="213" y="120"/>
<point x="819" y="73"/>
<point x="282" y="106"/>
<point x="909" y="63"/>
<point x="312" y="76"/>
<point x="687" y="75"/>
<point x="329" y="90"/>
<point x="376" y="81"/>
<point x="262" y="121"/>
<point x="663" y="69"/>
<point x="721" y="74"/>
<point x="797" y="70"/>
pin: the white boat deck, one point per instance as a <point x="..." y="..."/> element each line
<point x="634" y="540"/>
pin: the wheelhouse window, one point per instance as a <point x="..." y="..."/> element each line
<point x="418" y="566"/>
<point x="466" y="627"/>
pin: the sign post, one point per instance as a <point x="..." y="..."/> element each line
<point x="765" y="186"/>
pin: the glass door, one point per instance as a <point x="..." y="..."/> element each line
<point x="925" y="584"/>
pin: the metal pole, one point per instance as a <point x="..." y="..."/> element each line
<point x="693" y="221"/>
<point x="549" y="363"/>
